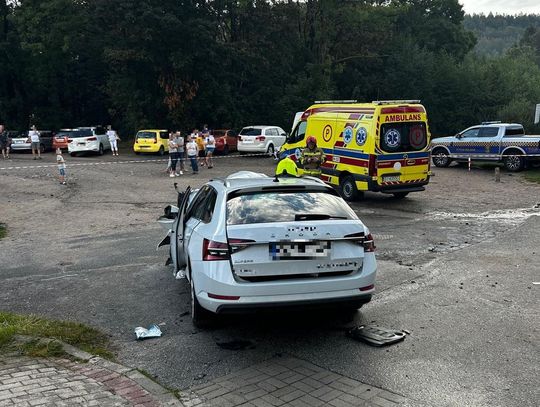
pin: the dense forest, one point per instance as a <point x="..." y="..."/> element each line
<point x="229" y="63"/>
<point x="495" y="34"/>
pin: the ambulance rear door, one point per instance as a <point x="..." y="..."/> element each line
<point x="403" y="156"/>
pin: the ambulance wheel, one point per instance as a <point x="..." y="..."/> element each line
<point x="400" y="195"/>
<point x="514" y="163"/>
<point x="440" y="158"/>
<point x="348" y="189"/>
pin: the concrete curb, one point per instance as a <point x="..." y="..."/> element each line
<point x="93" y="365"/>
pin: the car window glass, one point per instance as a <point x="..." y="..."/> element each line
<point x="196" y="209"/>
<point x="250" y="131"/>
<point x="208" y="205"/>
<point x="470" y="133"/>
<point x="401" y="137"/>
<point x="514" y="131"/>
<point x="268" y="207"/>
<point x="163" y="135"/>
<point x="299" y="133"/>
<point x="488" y="132"/>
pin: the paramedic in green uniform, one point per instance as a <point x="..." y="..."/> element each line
<point x="312" y="157"/>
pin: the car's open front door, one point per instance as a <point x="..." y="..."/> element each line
<point x="177" y="238"/>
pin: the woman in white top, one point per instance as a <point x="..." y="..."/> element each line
<point x="209" y="146"/>
<point x="33" y="136"/>
<point x="113" y="140"/>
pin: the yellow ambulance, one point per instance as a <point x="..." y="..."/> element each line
<point x="382" y="146"/>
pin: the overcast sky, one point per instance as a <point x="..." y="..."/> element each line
<point x="501" y="6"/>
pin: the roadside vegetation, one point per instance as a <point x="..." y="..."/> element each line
<point x="179" y="64"/>
<point x="3" y="230"/>
<point x="81" y="336"/>
<point x="532" y="175"/>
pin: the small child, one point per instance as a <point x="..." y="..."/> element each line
<point x="61" y="166"/>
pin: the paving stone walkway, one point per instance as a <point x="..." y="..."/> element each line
<point x="61" y="382"/>
<point x="287" y="381"/>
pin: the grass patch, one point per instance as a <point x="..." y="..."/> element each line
<point x="532" y="175"/>
<point x="3" y="230"/>
<point x="81" y="336"/>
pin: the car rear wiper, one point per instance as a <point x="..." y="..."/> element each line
<point x="316" y="216"/>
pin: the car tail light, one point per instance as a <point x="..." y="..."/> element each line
<point x="260" y="138"/>
<point x="366" y="242"/>
<point x="367" y="288"/>
<point x="214" y="250"/>
<point x="239" y="244"/>
<point x="155" y="141"/>
<point x="69" y="140"/>
<point x="224" y="297"/>
<point x="92" y="139"/>
<point x="372" y="165"/>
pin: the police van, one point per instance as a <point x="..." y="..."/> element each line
<point x="382" y="146"/>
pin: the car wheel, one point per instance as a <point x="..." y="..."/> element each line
<point x="226" y="150"/>
<point x="73" y="154"/>
<point x="270" y="150"/>
<point x="400" y="195"/>
<point x="514" y="163"/>
<point x="440" y="158"/>
<point x="199" y="316"/>
<point x="41" y="148"/>
<point x="348" y="189"/>
<point x="100" y="152"/>
<point x="161" y="150"/>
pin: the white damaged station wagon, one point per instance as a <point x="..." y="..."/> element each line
<point x="250" y="241"/>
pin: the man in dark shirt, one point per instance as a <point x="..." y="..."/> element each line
<point x="5" y="142"/>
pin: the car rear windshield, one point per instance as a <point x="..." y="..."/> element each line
<point x="62" y="134"/>
<point x="250" y="131"/>
<point x="269" y="207"/>
<point x="146" y="134"/>
<point x="80" y="133"/>
<point x="401" y="137"/>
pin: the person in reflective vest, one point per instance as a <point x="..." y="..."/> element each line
<point x="287" y="167"/>
<point x="312" y="157"/>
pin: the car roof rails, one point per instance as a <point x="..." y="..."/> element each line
<point x="395" y="102"/>
<point x="492" y="122"/>
<point x="335" y="101"/>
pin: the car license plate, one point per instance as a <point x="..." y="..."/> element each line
<point x="18" y="141"/>
<point x="247" y="141"/>
<point x="81" y="144"/>
<point x="390" y="178"/>
<point x="299" y="250"/>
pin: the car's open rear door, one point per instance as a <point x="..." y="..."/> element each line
<point x="177" y="234"/>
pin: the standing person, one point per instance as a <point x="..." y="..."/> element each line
<point x="180" y="145"/>
<point x="33" y="136"/>
<point x="5" y="142"/>
<point x="113" y="139"/>
<point x="201" y="141"/>
<point x="61" y="163"/>
<point x="209" y="147"/>
<point x="173" y="153"/>
<point x="312" y="157"/>
<point x="192" y="151"/>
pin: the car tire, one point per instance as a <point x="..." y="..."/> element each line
<point x="73" y="154"/>
<point x="270" y="150"/>
<point x="199" y="316"/>
<point x="161" y="150"/>
<point x="440" y="158"/>
<point x="514" y="163"/>
<point x="137" y="153"/>
<point x="226" y="150"/>
<point x="348" y="190"/>
<point x="101" y="152"/>
<point x="42" y="148"/>
<point x="400" y="195"/>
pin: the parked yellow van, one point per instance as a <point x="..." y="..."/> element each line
<point x="151" y="141"/>
<point x="381" y="146"/>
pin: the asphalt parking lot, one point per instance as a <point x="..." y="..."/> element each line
<point x="456" y="267"/>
